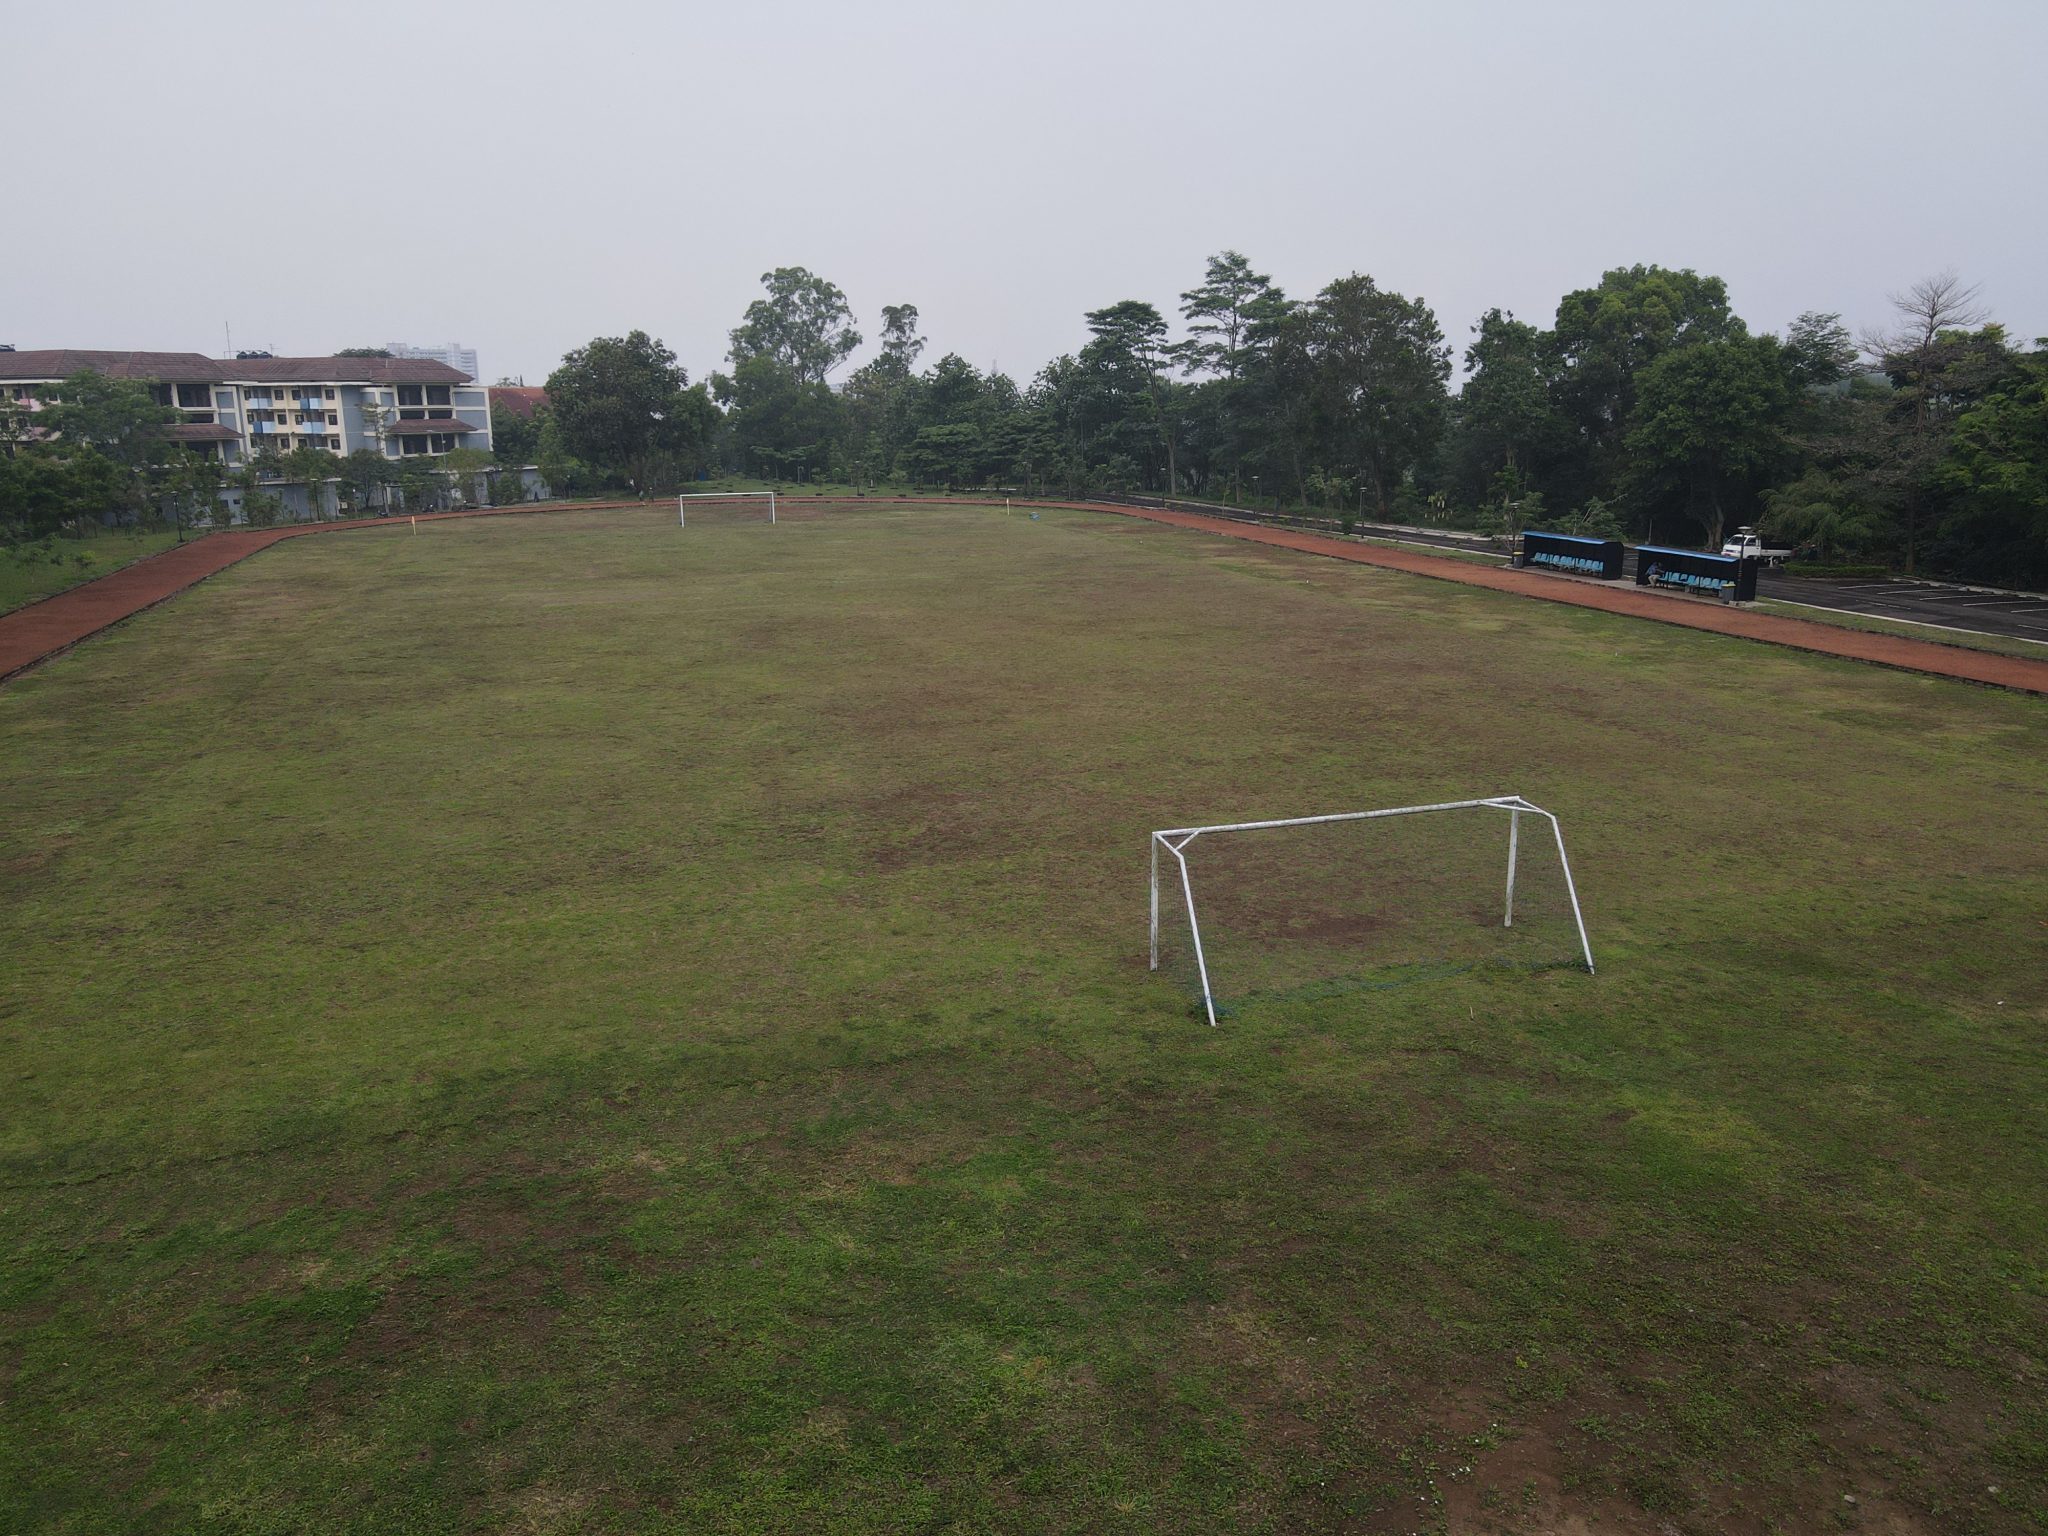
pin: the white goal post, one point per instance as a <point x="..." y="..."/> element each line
<point x="683" y="502"/>
<point x="1176" y="839"/>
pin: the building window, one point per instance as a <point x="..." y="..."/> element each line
<point x="413" y="444"/>
<point x="437" y="394"/>
<point x="333" y="419"/>
<point x="326" y="394"/>
<point x="409" y="394"/>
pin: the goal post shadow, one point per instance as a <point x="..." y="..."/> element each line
<point x="1176" y="839"/>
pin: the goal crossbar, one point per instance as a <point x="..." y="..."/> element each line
<point x="683" y="502"/>
<point x="1176" y="839"/>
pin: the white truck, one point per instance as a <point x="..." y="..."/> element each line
<point x="1748" y="544"/>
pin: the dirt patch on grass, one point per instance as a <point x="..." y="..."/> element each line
<point x="922" y="826"/>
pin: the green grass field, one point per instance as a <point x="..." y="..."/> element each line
<point x="554" y="1024"/>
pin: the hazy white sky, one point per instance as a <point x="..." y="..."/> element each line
<point x="523" y="176"/>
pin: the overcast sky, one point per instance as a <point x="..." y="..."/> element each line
<point x="522" y="177"/>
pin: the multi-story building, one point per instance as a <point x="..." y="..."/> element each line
<point x="455" y="355"/>
<point x="239" y="409"/>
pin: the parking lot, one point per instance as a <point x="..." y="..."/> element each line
<point x="2017" y="615"/>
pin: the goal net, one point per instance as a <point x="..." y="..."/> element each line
<point x="1314" y="907"/>
<point x="725" y="506"/>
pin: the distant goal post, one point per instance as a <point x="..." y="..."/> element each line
<point x="683" y="502"/>
<point x="1174" y="841"/>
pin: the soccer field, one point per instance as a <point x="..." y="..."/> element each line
<point x="572" y="1024"/>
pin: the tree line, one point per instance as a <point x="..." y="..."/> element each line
<point x="1647" y="408"/>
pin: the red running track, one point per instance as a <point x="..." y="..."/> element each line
<point x="41" y="630"/>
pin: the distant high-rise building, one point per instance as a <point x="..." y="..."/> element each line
<point x="455" y="355"/>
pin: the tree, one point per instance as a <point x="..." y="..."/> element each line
<point x="470" y="469"/>
<point x="804" y="324"/>
<point x="1381" y="370"/>
<point x="1223" y="313"/>
<point x="119" y="418"/>
<point x="312" y="468"/>
<point x="1504" y="417"/>
<point x="623" y="405"/>
<point x="364" y="352"/>
<point x="1818" y="350"/>
<point x="1921" y="315"/>
<point x="1059" y="404"/>
<point x="564" y="473"/>
<point x="966" y="427"/>
<point x="260" y="508"/>
<point x="1994" y="479"/>
<point x="874" y="411"/>
<point x="36" y="494"/>
<point x="901" y="345"/>
<point x="1226" y="315"/>
<point x="1280" y="384"/>
<point x="1131" y="397"/>
<point x="1606" y="336"/>
<point x="190" y="488"/>
<point x="1820" y="512"/>
<point x="515" y="438"/>
<point x="364" y="474"/>
<point x="1926" y="352"/>
<point x="1707" y="425"/>
<point x="781" y="422"/>
<point x="419" y="484"/>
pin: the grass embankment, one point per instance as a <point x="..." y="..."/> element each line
<point x="42" y="567"/>
<point x="555" y="1024"/>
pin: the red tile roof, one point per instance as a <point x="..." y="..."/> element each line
<point x="520" y="400"/>
<point x="193" y="368"/>
<point x="61" y="363"/>
<point x="344" y="370"/>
